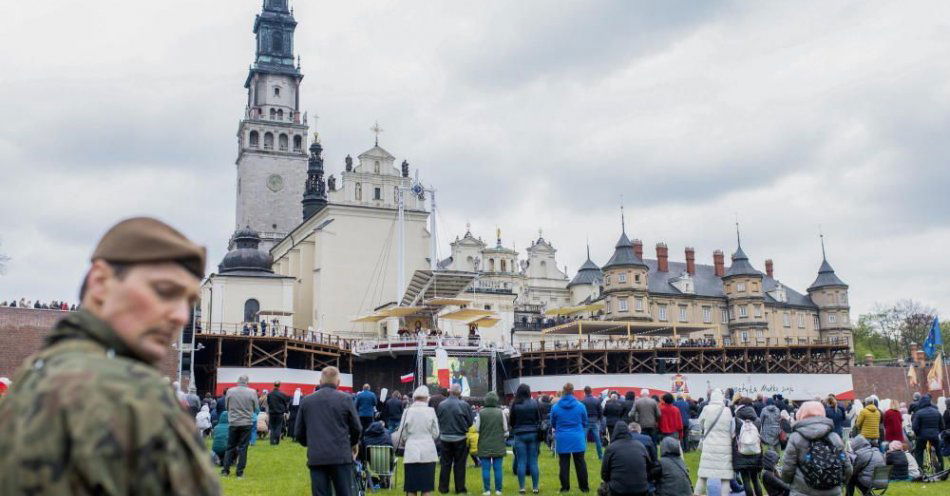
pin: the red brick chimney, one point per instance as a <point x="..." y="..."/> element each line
<point x="690" y="260"/>
<point x="662" y="257"/>
<point x="638" y="248"/>
<point x="768" y="267"/>
<point x="719" y="261"/>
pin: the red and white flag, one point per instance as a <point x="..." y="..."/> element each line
<point x="407" y="377"/>
<point x="442" y="367"/>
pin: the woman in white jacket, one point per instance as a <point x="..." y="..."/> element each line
<point x="715" y="462"/>
<point x="419" y="429"/>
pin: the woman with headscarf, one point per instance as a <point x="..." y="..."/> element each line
<point x="418" y="430"/>
<point x="673" y="479"/>
<point x="294" y="408"/>
<point x="812" y="427"/>
<point x="492" y="427"/>
<point x="715" y="461"/>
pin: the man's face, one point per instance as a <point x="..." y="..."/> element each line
<point x="147" y="307"/>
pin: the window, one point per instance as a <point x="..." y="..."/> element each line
<point x="268" y="141"/>
<point x="786" y="320"/>
<point x="758" y="310"/>
<point x="623" y="304"/>
<point x="376" y="167"/>
<point x="801" y="321"/>
<point x="282" y="141"/>
<point x="298" y="143"/>
<point x="707" y="314"/>
<point x="724" y="315"/>
<point x="504" y="266"/>
<point x="487" y="307"/>
<point x="636" y="278"/>
<point x="253" y="138"/>
<point x="273" y="114"/>
<point x="662" y="312"/>
<point x="623" y="277"/>
<point x="755" y="286"/>
<point x="743" y="311"/>
<point x="744" y="336"/>
<point x="639" y="304"/>
<point x="491" y="265"/>
<point x="683" y="313"/>
<point x="359" y="191"/>
<point x="277" y="41"/>
<point x="740" y="287"/>
<point x="280" y="114"/>
<point x="377" y="194"/>
<point x="607" y="280"/>
<point x="277" y="91"/>
<point x="251" y="309"/>
<point x="607" y="306"/>
<point x="727" y="341"/>
<point x="832" y="318"/>
<point x="817" y="323"/>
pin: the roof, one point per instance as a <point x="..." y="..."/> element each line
<point x="589" y="273"/>
<point x="826" y="277"/>
<point x="377" y="151"/>
<point x="624" y="256"/>
<point x="707" y="284"/>
<point x="741" y="266"/>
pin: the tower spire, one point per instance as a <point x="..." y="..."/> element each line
<point x="738" y="236"/>
<point x="588" y="247"/>
<point x="623" y="221"/>
<point x="821" y="236"/>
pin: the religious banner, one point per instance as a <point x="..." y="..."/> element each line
<point x="261" y="378"/>
<point x="935" y="376"/>
<point x="911" y="376"/>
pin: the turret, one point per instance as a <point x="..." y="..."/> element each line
<point x="625" y="280"/>
<point x="315" y="191"/>
<point x="830" y="294"/>
<point x="745" y="296"/>
<point x="587" y="282"/>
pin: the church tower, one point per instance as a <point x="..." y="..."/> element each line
<point x="272" y="153"/>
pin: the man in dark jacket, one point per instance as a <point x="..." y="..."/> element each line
<point x="628" y="399"/>
<point x="455" y="417"/>
<point x="928" y="424"/>
<point x="613" y="411"/>
<point x="392" y="411"/>
<point x="277" y="405"/>
<point x="594" y="413"/>
<point x="683" y="406"/>
<point x="328" y="425"/>
<point x="627" y="464"/>
<point x="636" y="434"/>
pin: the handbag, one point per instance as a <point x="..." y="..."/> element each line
<point x="713" y="424"/>
<point x="543" y="426"/>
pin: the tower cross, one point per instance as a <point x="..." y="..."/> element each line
<point x="376" y="130"/>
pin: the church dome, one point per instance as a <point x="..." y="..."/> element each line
<point x="246" y="256"/>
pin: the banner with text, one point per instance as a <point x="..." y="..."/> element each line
<point x="261" y="378"/>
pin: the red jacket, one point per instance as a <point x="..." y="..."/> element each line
<point x="893" y="426"/>
<point x="671" y="420"/>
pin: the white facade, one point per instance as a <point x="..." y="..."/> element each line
<point x="224" y="298"/>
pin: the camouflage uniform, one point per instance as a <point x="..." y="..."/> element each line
<point x="86" y="416"/>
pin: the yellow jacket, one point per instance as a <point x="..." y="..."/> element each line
<point x="869" y="422"/>
<point x="472" y="437"/>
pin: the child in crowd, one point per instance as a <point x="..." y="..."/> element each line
<point x="771" y="480"/>
<point x="897" y="460"/>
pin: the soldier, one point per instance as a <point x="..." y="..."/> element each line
<point x="90" y="413"/>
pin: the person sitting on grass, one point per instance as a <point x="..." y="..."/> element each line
<point x="897" y="460"/>
<point x="219" y="439"/>
<point x="864" y="458"/>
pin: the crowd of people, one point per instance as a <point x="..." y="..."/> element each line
<point x="38" y="305"/>
<point x="752" y="445"/>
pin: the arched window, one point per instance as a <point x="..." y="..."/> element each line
<point x="282" y="141"/>
<point x="396" y="195"/>
<point x="491" y="265"/>
<point x="253" y="139"/>
<point x="277" y="91"/>
<point x="298" y="143"/>
<point x="251" y="308"/>
<point x="280" y="114"/>
<point x="273" y="114"/>
<point x="504" y="266"/>
<point x="359" y="191"/>
<point x="277" y="41"/>
<point x="376" y="167"/>
<point x="268" y="141"/>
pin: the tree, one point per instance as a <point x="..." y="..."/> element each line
<point x="893" y="328"/>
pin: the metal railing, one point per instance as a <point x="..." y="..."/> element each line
<point x="253" y="329"/>
<point x="586" y="343"/>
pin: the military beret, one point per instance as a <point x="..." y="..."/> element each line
<point x="143" y="239"/>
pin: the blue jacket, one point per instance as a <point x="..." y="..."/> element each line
<point x="365" y="403"/>
<point x="927" y="422"/>
<point x="594" y="410"/>
<point x="683" y="407"/>
<point x="837" y="416"/>
<point x="568" y="418"/>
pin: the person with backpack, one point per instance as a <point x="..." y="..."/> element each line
<point x="747" y="454"/>
<point x="715" y="460"/>
<point x="815" y="463"/>
<point x="864" y="459"/>
<point x="771" y="426"/>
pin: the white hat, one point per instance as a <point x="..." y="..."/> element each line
<point x="421" y="392"/>
<point x="5" y="381"/>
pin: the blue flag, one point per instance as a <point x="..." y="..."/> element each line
<point x="934" y="342"/>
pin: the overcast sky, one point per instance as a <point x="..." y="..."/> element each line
<point x="525" y="116"/>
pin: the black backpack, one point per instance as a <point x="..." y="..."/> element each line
<point x="823" y="465"/>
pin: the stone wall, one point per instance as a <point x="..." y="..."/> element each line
<point x="23" y="330"/>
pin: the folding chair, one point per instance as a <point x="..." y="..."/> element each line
<point x="381" y="463"/>
<point x="880" y="479"/>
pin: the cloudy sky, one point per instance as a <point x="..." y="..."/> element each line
<point x="525" y="116"/>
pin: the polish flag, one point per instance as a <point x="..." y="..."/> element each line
<point x="407" y="378"/>
<point x="442" y="367"/>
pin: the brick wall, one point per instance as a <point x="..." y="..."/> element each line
<point x="23" y="330"/>
<point x="885" y="382"/>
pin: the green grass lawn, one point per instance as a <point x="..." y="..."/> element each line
<point x="281" y="470"/>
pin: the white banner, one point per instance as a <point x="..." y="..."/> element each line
<point x="261" y="378"/>
<point x="797" y="387"/>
